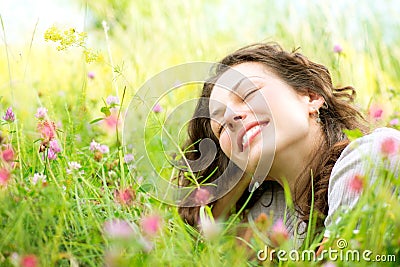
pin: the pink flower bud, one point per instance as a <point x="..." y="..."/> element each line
<point x="394" y="122"/>
<point x="29" y="261"/>
<point x="8" y="154"/>
<point x="118" y="228"/>
<point x="337" y="48"/>
<point x="279" y="233"/>
<point x="151" y="224"/>
<point x="4" y="176"/>
<point x="356" y="183"/>
<point x="375" y="112"/>
<point x="202" y="196"/>
<point x="125" y="196"/>
<point x="389" y="146"/>
<point x="9" y="116"/>
<point x="91" y="75"/>
<point x="157" y="108"/>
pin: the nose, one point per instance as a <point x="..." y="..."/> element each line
<point x="234" y="118"/>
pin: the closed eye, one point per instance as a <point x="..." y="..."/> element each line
<point x="250" y="93"/>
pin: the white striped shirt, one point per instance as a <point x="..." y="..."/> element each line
<point x="361" y="157"/>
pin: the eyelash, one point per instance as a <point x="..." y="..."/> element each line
<point x="222" y="126"/>
<point x="249" y="93"/>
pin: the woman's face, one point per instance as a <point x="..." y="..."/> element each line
<point x="257" y="117"/>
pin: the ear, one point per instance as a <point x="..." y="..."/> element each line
<point x="315" y="101"/>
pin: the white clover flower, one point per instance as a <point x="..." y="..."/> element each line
<point x="94" y="146"/>
<point x="112" y="101"/>
<point x="74" y="166"/>
<point x="39" y="177"/>
<point x="104" y="149"/>
<point x="41" y="113"/>
<point x="128" y="158"/>
<point x="112" y="174"/>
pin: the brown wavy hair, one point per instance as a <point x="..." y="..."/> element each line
<point x="303" y="75"/>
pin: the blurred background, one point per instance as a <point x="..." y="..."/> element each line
<point x="146" y="37"/>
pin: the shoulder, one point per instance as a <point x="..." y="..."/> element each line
<point x="363" y="156"/>
<point x="367" y="150"/>
<point x="373" y="139"/>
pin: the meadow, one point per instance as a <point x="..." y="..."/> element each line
<point x="75" y="192"/>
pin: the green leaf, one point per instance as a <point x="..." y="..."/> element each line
<point x="37" y="140"/>
<point x="353" y="134"/>
<point x="96" y="120"/>
<point x="106" y="111"/>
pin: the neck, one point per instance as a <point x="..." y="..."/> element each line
<point x="289" y="164"/>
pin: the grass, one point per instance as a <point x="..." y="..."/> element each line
<point x="61" y="222"/>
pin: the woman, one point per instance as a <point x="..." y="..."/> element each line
<point x="276" y="116"/>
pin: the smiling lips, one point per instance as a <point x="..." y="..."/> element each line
<point x="248" y="133"/>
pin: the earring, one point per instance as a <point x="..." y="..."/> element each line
<point x="317" y="119"/>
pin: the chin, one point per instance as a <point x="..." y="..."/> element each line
<point x="257" y="156"/>
<point x="251" y="165"/>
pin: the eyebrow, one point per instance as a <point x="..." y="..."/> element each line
<point x="234" y="89"/>
<point x="237" y="85"/>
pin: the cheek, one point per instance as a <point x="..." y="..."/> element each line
<point x="290" y="115"/>
<point x="226" y="143"/>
